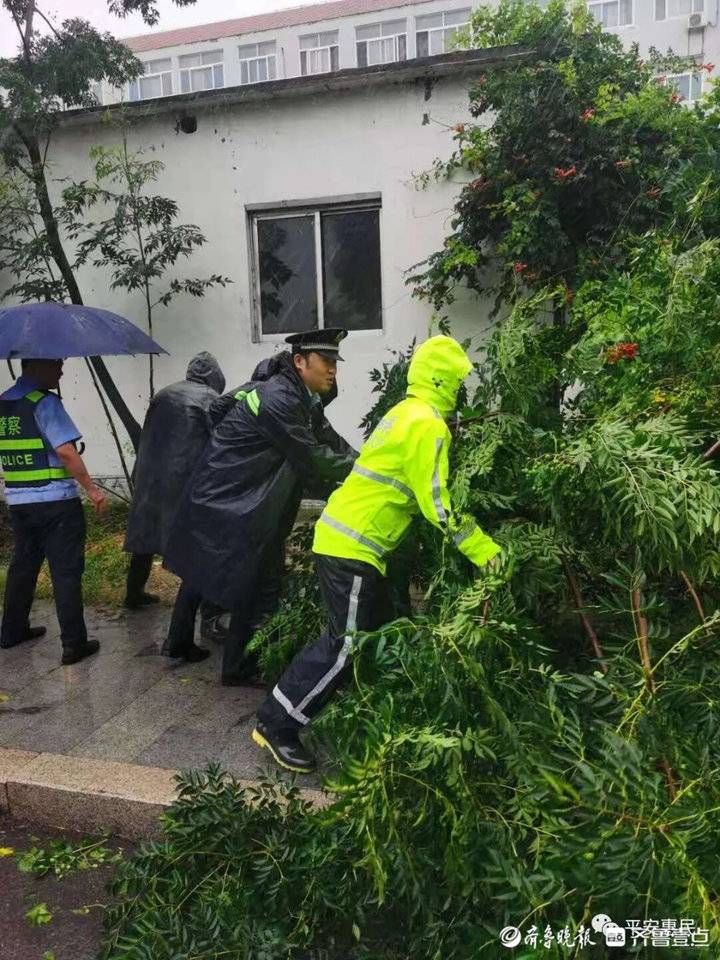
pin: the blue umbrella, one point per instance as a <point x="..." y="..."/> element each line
<point x="58" y="330"/>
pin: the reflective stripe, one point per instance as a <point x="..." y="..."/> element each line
<point x="49" y="473"/>
<point x="342" y="656"/>
<point x="440" y="509"/>
<point x="288" y="707"/>
<point x="34" y="444"/>
<point x="241" y="394"/>
<point x="370" y="544"/>
<point x="253" y="401"/>
<point x="390" y="481"/>
<point x="463" y="535"/>
<point x="34" y="396"/>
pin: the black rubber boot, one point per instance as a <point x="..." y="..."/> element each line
<point x="285" y="748"/>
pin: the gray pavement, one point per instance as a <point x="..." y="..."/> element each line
<point x="127" y="703"/>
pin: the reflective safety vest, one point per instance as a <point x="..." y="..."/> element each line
<point x="402" y="468"/>
<point x="23" y="449"/>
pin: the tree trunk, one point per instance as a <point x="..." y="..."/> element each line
<point x="58" y="252"/>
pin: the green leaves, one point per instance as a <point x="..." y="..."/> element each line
<point x="39" y="915"/>
<point x="62" y="857"/>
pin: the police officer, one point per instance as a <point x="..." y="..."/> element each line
<point x="41" y="466"/>
<point x="228" y="539"/>
<point x="402" y="469"/>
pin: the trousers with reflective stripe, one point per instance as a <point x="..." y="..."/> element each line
<point x="356" y="597"/>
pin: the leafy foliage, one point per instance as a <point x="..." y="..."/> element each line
<point x="542" y="744"/>
<point x="584" y="143"/>
<point x="139" y="239"/>
<point x="62" y="857"/>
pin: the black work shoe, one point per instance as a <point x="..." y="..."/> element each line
<point x="33" y="633"/>
<point x="286" y="749"/>
<point x="192" y="654"/>
<point x="144" y="600"/>
<point x="76" y="654"/>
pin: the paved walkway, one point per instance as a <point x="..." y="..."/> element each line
<point x="127" y="703"/>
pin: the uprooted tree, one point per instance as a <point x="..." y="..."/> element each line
<point x="540" y="746"/>
<point x="51" y="72"/>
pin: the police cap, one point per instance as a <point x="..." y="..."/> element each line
<point x="325" y="342"/>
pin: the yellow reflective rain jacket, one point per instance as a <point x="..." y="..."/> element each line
<point x="403" y="467"/>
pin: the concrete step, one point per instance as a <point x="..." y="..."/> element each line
<point x="92" y="796"/>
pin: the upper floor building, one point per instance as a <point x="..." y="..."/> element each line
<point x="326" y="37"/>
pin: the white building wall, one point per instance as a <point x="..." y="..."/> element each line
<point x="334" y="144"/>
<point x="288" y="42"/>
<point x="673" y="33"/>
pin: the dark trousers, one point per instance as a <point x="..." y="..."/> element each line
<point x="54" y="531"/>
<point x="137" y="577"/>
<point x="356" y="597"/>
<point x="260" y="600"/>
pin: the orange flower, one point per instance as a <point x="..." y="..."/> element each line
<point x="562" y="173"/>
<point x="708" y="67"/>
<point x="519" y="267"/>
<point x="587" y="114"/>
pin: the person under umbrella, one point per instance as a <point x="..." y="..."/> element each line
<point x="42" y="469"/>
<point x="238" y="509"/>
<point x="41" y="465"/>
<point x="176" y="428"/>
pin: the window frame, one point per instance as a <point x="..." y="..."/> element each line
<point x="602" y="3"/>
<point x="151" y="76"/>
<point x="203" y="66"/>
<point x="267" y="57"/>
<point x="329" y="47"/>
<point x="380" y="38"/>
<point x="678" y="16"/>
<point x="666" y="78"/>
<point x="442" y="29"/>
<point x="303" y="208"/>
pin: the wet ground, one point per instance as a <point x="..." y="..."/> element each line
<point x="69" y="935"/>
<point x="128" y="703"/>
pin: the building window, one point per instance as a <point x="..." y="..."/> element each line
<point x="201" y="71"/>
<point x="687" y="85"/>
<point x="318" y="267"/>
<point x="436" y="32"/>
<point x="669" y="9"/>
<point x="258" y="62"/>
<point x="319" y="53"/>
<point x="381" y="43"/>
<point x="612" y="13"/>
<point x="156" y="81"/>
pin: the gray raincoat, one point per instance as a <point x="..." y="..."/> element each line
<point x="175" y="432"/>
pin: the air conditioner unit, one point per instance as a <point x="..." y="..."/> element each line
<point x="698" y="21"/>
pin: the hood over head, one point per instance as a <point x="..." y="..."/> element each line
<point x="204" y="368"/>
<point x="436" y="372"/>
